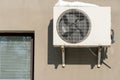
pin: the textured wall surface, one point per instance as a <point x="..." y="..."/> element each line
<point x="80" y="63"/>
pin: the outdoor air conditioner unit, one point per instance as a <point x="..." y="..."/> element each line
<point x="82" y="26"/>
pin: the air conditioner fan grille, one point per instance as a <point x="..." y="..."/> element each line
<point x="73" y="26"/>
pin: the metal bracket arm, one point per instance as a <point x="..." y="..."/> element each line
<point x="63" y="56"/>
<point x="99" y="56"/>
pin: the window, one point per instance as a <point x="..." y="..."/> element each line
<point x="16" y="56"/>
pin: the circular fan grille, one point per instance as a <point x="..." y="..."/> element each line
<point x="73" y="26"/>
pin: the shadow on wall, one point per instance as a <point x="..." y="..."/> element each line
<point x="73" y="56"/>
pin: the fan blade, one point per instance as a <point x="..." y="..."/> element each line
<point x="71" y="31"/>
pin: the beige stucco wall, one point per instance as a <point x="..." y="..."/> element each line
<point x="35" y="15"/>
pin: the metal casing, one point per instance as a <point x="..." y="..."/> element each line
<point x="100" y="19"/>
